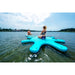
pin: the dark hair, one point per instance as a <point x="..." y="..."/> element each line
<point x="44" y="27"/>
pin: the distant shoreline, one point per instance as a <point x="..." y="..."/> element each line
<point x="36" y="31"/>
<point x="22" y="30"/>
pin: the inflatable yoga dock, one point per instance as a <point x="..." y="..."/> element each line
<point x="38" y="43"/>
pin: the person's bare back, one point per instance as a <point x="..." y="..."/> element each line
<point x="29" y="33"/>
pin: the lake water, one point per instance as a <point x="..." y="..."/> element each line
<point x="11" y="49"/>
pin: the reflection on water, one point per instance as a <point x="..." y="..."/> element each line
<point x="11" y="49"/>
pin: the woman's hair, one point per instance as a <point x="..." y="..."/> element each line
<point x="44" y="27"/>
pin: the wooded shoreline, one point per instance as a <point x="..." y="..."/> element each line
<point x="25" y="30"/>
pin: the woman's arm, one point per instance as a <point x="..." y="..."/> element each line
<point x="41" y="32"/>
<point x="30" y="33"/>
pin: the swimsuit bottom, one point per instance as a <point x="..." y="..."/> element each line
<point x="43" y="37"/>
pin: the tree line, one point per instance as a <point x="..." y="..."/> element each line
<point x="25" y="30"/>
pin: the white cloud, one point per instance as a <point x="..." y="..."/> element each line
<point x="37" y="20"/>
<point x="32" y="20"/>
<point x="35" y="17"/>
<point x="28" y="26"/>
<point x="24" y="20"/>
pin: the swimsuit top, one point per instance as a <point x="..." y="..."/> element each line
<point x="43" y="33"/>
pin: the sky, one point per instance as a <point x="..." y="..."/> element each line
<point x="35" y="21"/>
<point x="34" y="14"/>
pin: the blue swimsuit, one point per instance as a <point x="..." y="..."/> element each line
<point x="43" y="37"/>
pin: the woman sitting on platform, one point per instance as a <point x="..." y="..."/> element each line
<point x="29" y="33"/>
<point x="43" y="33"/>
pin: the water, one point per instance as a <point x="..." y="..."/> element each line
<point x="11" y="49"/>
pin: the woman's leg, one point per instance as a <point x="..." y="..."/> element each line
<point x="39" y="36"/>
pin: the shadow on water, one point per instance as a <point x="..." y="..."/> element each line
<point x="54" y="55"/>
<point x="48" y="54"/>
<point x="67" y="54"/>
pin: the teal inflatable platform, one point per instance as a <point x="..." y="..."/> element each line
<point x="47" y="41"/>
